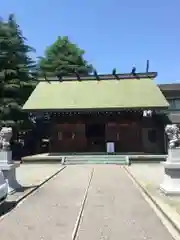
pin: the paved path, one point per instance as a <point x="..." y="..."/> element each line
<point x="114" y="209"/>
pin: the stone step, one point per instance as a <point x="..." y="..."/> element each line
<point x="97" y="159"/>
<point x="95" y="162"/>
<point x="94" y="158"/>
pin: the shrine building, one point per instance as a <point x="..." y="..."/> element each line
<point x="86" y="113"/>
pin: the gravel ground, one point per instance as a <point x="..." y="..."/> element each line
<point x="150" y="174"/>
<point x="114" y="209"/>
<point x="30" y="176"/>
<point x="150" y="177"/>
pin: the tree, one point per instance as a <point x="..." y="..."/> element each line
<point x="64" y="57"/>
<point x="15" y="73"/>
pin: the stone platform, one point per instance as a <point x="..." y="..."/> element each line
<point x="85" y="157"/>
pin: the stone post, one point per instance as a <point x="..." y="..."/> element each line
<point x="7" y="165"/>
<point x="171" y="181"/>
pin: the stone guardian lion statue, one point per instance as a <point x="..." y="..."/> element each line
<point x="5" y="137"/>
<point x="173" y="134"/>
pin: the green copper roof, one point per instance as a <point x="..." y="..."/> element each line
<point x="103" y="94"/>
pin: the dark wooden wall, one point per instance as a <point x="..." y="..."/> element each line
<point x="69" y="133"/>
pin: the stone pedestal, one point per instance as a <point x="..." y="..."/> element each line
<point x="6" y="157"/>
<point x="8" y="167"/>
<point x="171" y="182"/>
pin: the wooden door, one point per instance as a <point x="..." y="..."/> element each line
<point x="128" y="138"/>
<point x="69" y="138"/>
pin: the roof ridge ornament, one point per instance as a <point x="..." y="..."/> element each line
<point x="147" y="66"/>
<point x="45" y="77"/>
<point x="96" y="75"/>
<point x="77" y="75"/>
<point x="133" y="71"/>
<point x="115" y="74"/>
<point x="59" y="76"/>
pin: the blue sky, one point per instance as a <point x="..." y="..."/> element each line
<point x="114" y="33"/>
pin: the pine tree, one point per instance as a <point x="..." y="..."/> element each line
<point x="64" y="58"/>
<point x="15" y="73"/>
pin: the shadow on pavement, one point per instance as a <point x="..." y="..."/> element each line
<point x="10" y="204"/>
<point x="24" y="189"/>
<point x="7" y="207"/>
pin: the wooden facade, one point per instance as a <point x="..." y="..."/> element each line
<point x="130" y="132"/>
<point x="90" y="111"/>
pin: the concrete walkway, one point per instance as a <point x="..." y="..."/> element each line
<point x="114" y="209"/>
